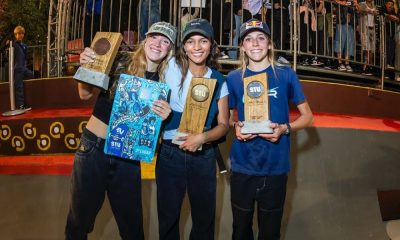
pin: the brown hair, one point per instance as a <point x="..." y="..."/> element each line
<point x="183" y="62"/>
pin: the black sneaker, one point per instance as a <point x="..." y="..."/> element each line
<point x="25" y="107"/>
<point x="304" y="62"/>
<point x="367" y="71"/>
<point x="315" y="62"/>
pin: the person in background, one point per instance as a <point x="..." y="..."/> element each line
<point x="260" y="163"/>
<point x="344" y="35"/>
<point x="391" y="19"/>
<point x="94" y="173"/>
<point x="368" y="11"/>
<point x="21" y="72"/>
<point x="149" y="13"/>
<point x="186" y="168"/>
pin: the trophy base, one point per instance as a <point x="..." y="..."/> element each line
<point x="179" y="142"/>
<point x="91" y="77"/>
<point x="252" y="127"/>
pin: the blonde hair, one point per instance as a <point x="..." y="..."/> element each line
<point x="137" y="65"/>
<point x="19" y="29"/>
<point x="244" y="59"/>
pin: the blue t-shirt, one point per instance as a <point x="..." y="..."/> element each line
<point x="178" y="96"/>
<point x="258" y="156"/>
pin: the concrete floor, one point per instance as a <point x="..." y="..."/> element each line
<point x="331" y="193"/>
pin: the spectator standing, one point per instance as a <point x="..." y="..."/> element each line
<point x="325" y="30"/>
<point x="344" y="36"/>
<point x="149" y="14"/>
<point x="21" y="72"/>
<point x="367" y="11"/>
<point x="391" y="19"/>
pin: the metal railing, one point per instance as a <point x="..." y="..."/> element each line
<point x="77" y="21"/>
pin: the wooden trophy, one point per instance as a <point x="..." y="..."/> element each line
<point x="196" y="108"/>
<point x="105" y="45"/>
<point x="256" y="105"/>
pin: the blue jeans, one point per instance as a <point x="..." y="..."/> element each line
<point x="344" y="40"/>
<point x="145" y="19"/>
<point x="94" y="174"/>
<point x="270" y="193"/>
<point x="178" y="171"/>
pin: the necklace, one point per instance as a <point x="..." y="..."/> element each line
<point x="200" y="74"/>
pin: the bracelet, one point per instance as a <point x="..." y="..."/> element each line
<point x="288" y="129"/>
<point x="205" y="136"/>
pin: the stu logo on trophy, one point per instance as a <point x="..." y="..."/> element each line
<point x="105" y="45"/>
<point x="196" y="108"/>
<point x="256" y="104"/>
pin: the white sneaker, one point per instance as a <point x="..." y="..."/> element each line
<point x="342" y="68"/>
<point x="283" y="60"/>
<point x="223" y="56"/>
<point x="348" y="68"/>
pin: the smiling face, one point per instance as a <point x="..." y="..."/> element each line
<point x="197" y="48"/>
<point x="256" y="45"/>
<point x="19" y="36"/>
<point x="156" y="47"/>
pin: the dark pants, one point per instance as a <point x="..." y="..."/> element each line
<point x="280" y="28"/>
<point x="20" y="74"/>
<point x="269" y="192"/>
<point x="95" y="174"/>
<point x="390" y="53"/>
<point x="178" y="171"/>
<point x="307" y="35"/>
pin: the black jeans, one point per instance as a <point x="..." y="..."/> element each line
<point x="269" y="192"/>
<point x="95" y="174"/>
<point x="178" y="171"/>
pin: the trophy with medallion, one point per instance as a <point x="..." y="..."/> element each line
<point x="196" y="108"/>
<point x="105" y="45"/>
<point x="256" y="105"/>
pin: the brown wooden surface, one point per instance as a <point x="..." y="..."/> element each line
<point x="103" y="63"/>
<point x="256" y="109"/>
<point x="195" y="113"/>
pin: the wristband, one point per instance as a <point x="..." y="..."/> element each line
<point x="288" y="129"/>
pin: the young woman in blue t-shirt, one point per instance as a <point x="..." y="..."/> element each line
<point x="260" y="162"/>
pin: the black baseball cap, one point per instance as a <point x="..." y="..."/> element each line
<point x="253" y="25"/>
<point x="198" y="25"/>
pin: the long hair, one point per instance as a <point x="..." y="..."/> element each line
<point x="244" y="59"/>
<point x="137" y="65"/>
<point x="182" y="60"/>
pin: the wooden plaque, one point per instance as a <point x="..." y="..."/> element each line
<point x="256" y="104"/>
<point x="105" y="45"/>
<point x="196" y="108"/>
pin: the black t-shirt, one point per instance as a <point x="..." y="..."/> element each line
<point x="103" y="107"/>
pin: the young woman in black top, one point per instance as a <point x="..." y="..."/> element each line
<point x="95" y="173"/>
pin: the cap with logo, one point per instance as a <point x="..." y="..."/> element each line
<point x="253" y="25"/>
<point x="165" y="29"/>
<point x="198" y="25"/>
